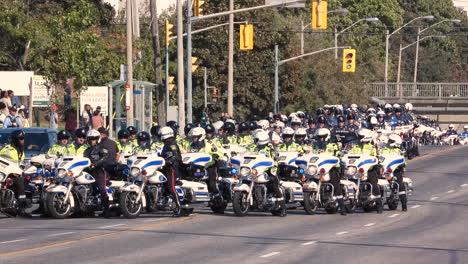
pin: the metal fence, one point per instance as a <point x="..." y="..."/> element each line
<point x="420" y="90"/>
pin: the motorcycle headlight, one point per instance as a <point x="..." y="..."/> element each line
<point x="244" y="172"/>
<point x="134" y="172"/>
<point x="350" y="170"/>
<point x="312" y="170"/>
<point x="62" y="173"/>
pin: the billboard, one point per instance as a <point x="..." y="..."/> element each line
<point x="95" y="96"/>
<point x="17" y="81"/>
<point x="40" y="92"/>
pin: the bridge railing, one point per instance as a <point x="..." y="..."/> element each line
<point x="421" y="90"/>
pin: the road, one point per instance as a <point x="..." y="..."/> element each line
<point x="432" y="231"/>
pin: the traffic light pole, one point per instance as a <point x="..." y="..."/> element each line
<point x="129" y="90"/>
<point x="281" y="62"/>
<point x="167" y="83"/>
<point x="230" y="101"/>
<point x="189" y="61"/>
<point x="180" y="68"/>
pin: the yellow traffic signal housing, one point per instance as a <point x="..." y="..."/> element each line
<point x="349" y="60"/>
<point x="168" y="27"/>
<point x="194" y="65"/>
<point x="197" y="10"/>
<point x="319" y="14"/>
<point x="246" y="35"/>
<point x="171" y="83"/>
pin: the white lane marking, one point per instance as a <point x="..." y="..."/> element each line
<point x="394" y="215"/>
<point x="269" y="255"/>
<point x="463" y="185"/>
<point x="12" y="241"/>
<point x="434" y="198"/>
<point x="415" y="206"/>
<point x="451" y="191"/>
<point x="111" y="226"/>
<point x="342" y="233"/>
<point x="309" y="243"/>
<point x="370" y="224"/>
<point x="61" y="234"/>
<point x="154" y="220"/>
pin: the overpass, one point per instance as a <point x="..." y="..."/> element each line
<point x="445" y="102"/>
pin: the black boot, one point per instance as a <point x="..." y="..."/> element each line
<point x="378" y="205"/>
<point x="342" y="206"/>
<point x="404" y="201"/>
<point x="105" y="208"/>
<point x="176" y="207"/>
<point x="22" y="205"/>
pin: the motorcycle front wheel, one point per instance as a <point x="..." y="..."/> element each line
<point x="310" y="205"/>
<point x="240" y="204"/>
<point x="131" y="208"/>
<point x="57" y="206"/>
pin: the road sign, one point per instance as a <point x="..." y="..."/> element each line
<point x="96" y="96"/>
<point x="40" y="92"/>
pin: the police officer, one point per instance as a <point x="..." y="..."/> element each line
<point x="352" y="125"/>
<point x="323" y="144"/>
<point x="244" y="138"/>
<point x="340" y="131"/>
<point x="144" y="143"/>
<point x="124" y="145"/>
<point x="262" y="146"/>
<point x="392" y="147"/>
<point x="98" y="155"/>
<point x="300" y="138"/>
<point x="312" y="123"/>
<point x="172" y="168"/>
<point x="80" y="141"/>
<point x="288" y="143"/>
<point x="133" y="132"/>
<point x="62" y="147"/>
<point x="230" y="136"/>
<point x="15" y="153"/>
<point x="365" y="146"/>
<point x="156" y="143"/>
<point x="184" y="144"/>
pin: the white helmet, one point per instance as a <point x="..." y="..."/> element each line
<point x="264" y="124"/>
<point x="394" y="140"/>
<point x="396" y="106"/>
<point x="301" y="132"/>
<point x="275" y="137"/>
<point x="371" y="110"/>
<point x="284" y="118"/>
<point x="287" y="131"/>
<point x="279" y="124"/>
<point x="166" y="132"/>
<point x="388" y="106"/>
<point x="354" y="106"/>
<point x="373" y="120"/>
<point x="451" y="126"/>
<point x="217" y="125"/>
<point x="365" y="135"/>
<point x="465" y="127"/>
<point x="296" y="120"/>
<point x="323" y="133"/>
<point x="409" y="106"/>
<point x="93" y="135"/>
<point x="261" y="138"/>
<point x="197" y="132"/>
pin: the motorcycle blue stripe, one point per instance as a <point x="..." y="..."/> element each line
<point x="328" y="162"/>
<point x="202" y="159"/>
<point x="152" y="163"/>
<point x="395" y="162"/>
<point x="366" y="162"/>
<point x="264" y="163"/>
<point x="81" y="163"/>
<point x="292" y="161"/>
<point x="235" y="162"/>
<point x="301" y="162"/>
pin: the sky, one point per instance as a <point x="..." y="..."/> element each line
<point x="163" y="4"/>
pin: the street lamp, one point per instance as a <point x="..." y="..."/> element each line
<point x="341" y="12"/>
<point x="415" y="74"/>
<point x="409" y="45"/>
<point x="387" y="37"/>
<point x="369" y="19"/>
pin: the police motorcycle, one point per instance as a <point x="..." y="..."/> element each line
<point x="289" y="176"/>
<point x="8" y="202"/>
<point x="74" y="191"/>
<point x="251" y="193"/>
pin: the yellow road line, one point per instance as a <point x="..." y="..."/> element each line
<point x="95" y="237"/>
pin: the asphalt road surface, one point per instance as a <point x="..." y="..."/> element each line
<point x="433" y="230"/>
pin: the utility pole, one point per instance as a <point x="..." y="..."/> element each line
<point x="387" y="37"/>
<point x="416" y="57"/>
<point x="275" y="99"/>
<point x="302" y="37"/>
<point x="162" y="112"/>
<point x="189" y="61"/>
<point x="180" y="67"/>
<point x="129" y="86"/>
<point x="230" y="103"/>
<point x="205" y="97"/>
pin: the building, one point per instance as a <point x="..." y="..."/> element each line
<point x="120" y="4"/>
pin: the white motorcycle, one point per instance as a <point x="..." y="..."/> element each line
<point x="390" y="164"/>
<point x="8" y="201"/>
<point x="290" y="178"/>
<point x="251" y="193"/>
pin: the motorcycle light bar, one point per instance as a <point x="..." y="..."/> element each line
<point x="389" y="170"/>
<point x="47" y="173"/>
<point x="361" y="170"/>
<point x="39" y="171"/>
<point x="301" y="170"/>
<point x="234" y="171"/>
<point x="144" y="172"/>
<point x="322" y="171"/>
<point x="9" y="181"/>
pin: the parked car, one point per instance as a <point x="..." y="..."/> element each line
<point x="38" y="140"/>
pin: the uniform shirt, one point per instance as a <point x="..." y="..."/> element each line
<point x="126" y="147"/>
<point x="81" y="149"/>
<point x="292" y="146"/>
<point x="112" y="149"/>
<point x="390" y="150"/>
<point x="9" y="152"/>
<point x="266" y="150"/>
<point x="330" y="148"/>
<point x="12" y="121"/>
<point x="144" y="149"/>
<point x="245" y="140"/>
<point x="231" y="139"/>
<point x="366" y="148"/>
<point x="64" y="150"/>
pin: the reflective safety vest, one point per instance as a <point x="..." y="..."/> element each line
<point x="390" y="150"/>
<point x="330" y="148"/>
<point x="142" y="150"/>
<point x="364" y="148"/>
<point x="157" y="146"/>
<point x="10" y="153"/>
<point x="291" y="147"/>
<point x="267" y="150"/>
<point x="81" y="149"/>
<point x="245" y="140"/>
<point x="66" y="150"/>
<point x="184" y="144"/>
<point x="125" y="147"/>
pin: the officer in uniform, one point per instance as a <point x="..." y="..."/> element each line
<point x="80" y="141"/>
<point x="144" y="143"/>
<point x="133" y="132"/>
<point x="244" y="138"/>
<point x="288" y="143"/>
<point x="124" y="145"/>
<point x="62" y="147"/>
<point x="156" y="143"/>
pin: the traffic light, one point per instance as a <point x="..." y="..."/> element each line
<point x="349" y="60"/>
<point x="168" y="26"/>
<point x="171" y="83"/>
<point x="246" y="34"/>
<point x="194" y="66"/>
<point x="197" y="10"/>
<point x="319" y="14"/>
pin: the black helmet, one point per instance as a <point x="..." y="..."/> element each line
<point x="187" y="128"/>
<point x="123" y="133"/>
<point x="253" y="125"/>
<point x="277" y="117"/>
<point x="312" y="121"/>
<point x="338" y="111"/>
<point x="321" y="120"/>
<point x="229" y="127"/>
<point x="63" y="134"/>
<point x="351" y="117"/>
<point x="172" y="124"/>
<point x="209" y="129"/>
<point x="143" y="136"/>
<point x="155" y="131"/>
<point x="243" y="126"/>
<point x="132" y="130"/>
<point x="340" y="119"/>
<point x="16" y="136"/>
<point x="80" y="132"/>
<point x="320" y="111"/>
